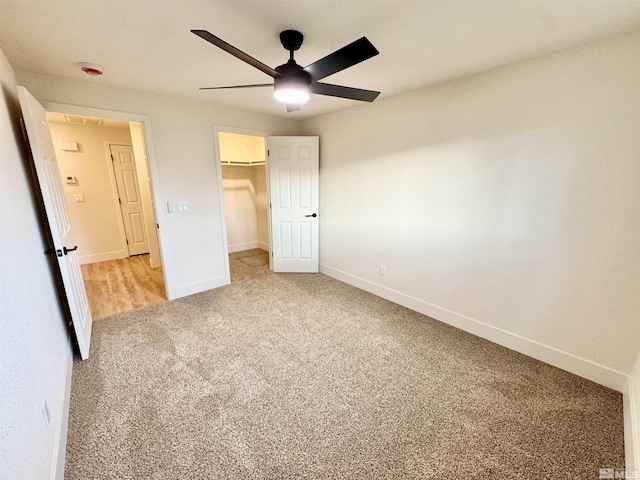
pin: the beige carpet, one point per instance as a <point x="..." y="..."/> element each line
<point x="301" y="376"/>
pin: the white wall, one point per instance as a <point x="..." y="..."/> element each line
<point x="237" y="147"/>
<point x="97" y="222"/>
<point x="183" y="169"/>
<point x="35" y="355"/>
<point x="505" y="203"/>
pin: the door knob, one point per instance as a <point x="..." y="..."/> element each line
<point x="314" y="215"/>
<point x="67" y="250"/>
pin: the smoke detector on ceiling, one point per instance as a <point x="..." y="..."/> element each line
<point x="91" y="69"/>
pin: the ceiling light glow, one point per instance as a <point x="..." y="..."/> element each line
<point x="294" y="94"/>
<point x="292" y="88"/>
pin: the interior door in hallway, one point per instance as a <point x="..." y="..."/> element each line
<point x="293" y="165"/>
<point x="124" y="169"/>
<point x="46" y="168"/>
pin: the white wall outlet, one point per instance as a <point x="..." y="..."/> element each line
<point x="79" y="198"/>
<point x="46" y="413"/>
<point x="382" y="270"/>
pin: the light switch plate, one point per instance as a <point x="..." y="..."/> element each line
<point x="183" y="206"/>
<point x="69" y="146"/>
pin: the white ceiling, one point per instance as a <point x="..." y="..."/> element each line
<point x="146" y="45"/>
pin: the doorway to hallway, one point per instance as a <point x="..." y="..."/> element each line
<point x="107" y="188"/>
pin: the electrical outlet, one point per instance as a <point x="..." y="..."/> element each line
<point x="46" y="413"/>
<point x="382" y="270"/>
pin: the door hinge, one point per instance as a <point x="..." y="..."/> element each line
<point x="120" y="201"/>
<point x="272" y="254"/>
<point x="268" y="153"/>
<point x="269" y="205"/>
<point x="127" y="240"/>
<point x="112" y="159"/>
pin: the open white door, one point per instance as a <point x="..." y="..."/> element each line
<point x="56" y="209"/>
<point x="293" y="165"/>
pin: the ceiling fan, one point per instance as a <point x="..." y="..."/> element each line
<point x="293" y="83"/>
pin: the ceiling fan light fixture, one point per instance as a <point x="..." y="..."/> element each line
<point x="295" y="94"/>
<point x="292" y="90"/>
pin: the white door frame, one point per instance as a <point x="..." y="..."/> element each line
<point x="216" y="148"/>
<point x="145" y="120"/>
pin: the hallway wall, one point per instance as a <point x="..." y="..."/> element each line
<point x="97" y="221"/>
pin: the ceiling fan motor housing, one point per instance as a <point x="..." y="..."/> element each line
<point x="291" y="39"/>
<point x="292" y="72"/>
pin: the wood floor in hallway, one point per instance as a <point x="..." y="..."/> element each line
<point x="121" y="285"/>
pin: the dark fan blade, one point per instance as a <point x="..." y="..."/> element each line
<point x="352" y="54"/>
<point x="292" y="107"/>
<point x="218" y="42"/>
<point x="238" y="86"/>
<point x="343" y="92"/>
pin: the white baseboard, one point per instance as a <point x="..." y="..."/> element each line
<point x="60" y="450"/>
<point x="102" y="257"/>
<point x="558" y="358"/>
<point x="241" y="247"/>
<point x="197" y="287"/>
<point x="264" y="246"/>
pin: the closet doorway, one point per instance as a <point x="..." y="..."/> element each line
<point x="241" y="155"/>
